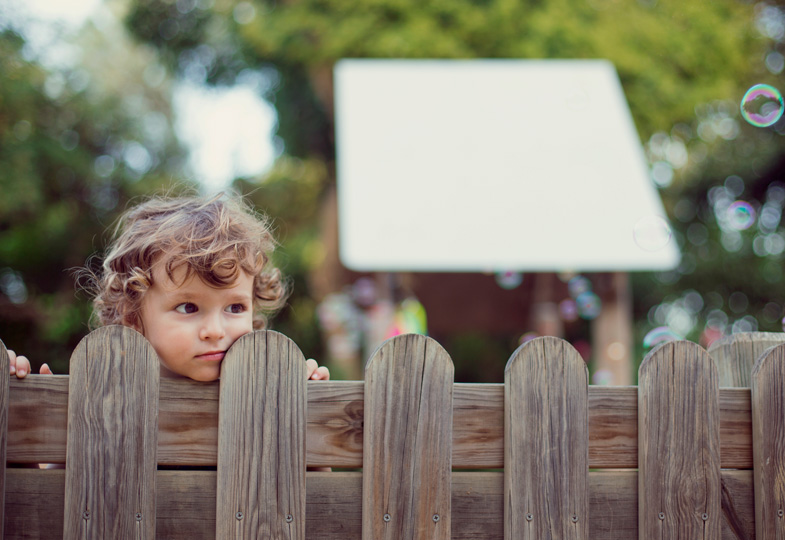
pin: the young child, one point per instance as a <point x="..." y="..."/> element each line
<point x="192" y="274"/>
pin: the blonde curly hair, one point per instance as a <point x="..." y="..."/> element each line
<point x="215" y="237"/>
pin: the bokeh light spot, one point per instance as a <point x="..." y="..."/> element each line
<point x="741" y="215"/>
<point x="652" y="233"/>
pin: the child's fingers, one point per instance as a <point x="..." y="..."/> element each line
<point x="45" y="370"/>
<point x="19" y="365"/>
<point x="310" y="367"/>
<point x="320" y="374"/>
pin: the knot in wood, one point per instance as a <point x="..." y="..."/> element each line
<point x="529" y="517"/>
<point x="289" y="518"/>
<point x="238" y="516"/>
<point x="387" y="517"/>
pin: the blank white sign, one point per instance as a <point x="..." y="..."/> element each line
<point x="477" y="165"/>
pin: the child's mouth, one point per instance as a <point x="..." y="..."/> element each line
<point x="213" y="356"/>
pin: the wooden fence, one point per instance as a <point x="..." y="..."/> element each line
<point x="414" y="455"/>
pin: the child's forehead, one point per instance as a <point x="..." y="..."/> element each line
<point x="180" y="276"/>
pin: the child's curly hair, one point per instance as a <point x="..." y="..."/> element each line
<point x="215" y="237"/>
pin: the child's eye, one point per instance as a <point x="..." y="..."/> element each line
<point x="186" y="308"/>
<point x="236" y="308"/>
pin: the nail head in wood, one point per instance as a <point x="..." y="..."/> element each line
<point x="780" y="513"/>
<point x="289" y="518"/>
<point x="705" y="517"/>
<point x="661" y="515"/>
<point x="138" y="516"/>
<point x="529" y="517"/>
<point x="387" y="517"/>
<point x="238" y="516"/>
<point x="436" y="518"/>
<point x="574" y="518"/>
<point x="86" y="514"/>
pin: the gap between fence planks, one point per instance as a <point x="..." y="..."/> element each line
<point x="188" y="424"/>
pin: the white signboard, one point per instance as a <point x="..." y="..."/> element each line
<point x="477" y="165"/>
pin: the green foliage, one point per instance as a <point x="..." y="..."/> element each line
<point x="71" y="159"/>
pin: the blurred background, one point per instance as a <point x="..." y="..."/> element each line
<point x="102" y="102"/>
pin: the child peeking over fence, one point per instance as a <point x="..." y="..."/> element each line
<point x="193" y="275"/>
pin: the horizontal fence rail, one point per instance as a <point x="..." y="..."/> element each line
<point x="414" y="455"/>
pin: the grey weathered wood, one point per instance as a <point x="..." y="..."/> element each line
<point x="546" y="443"/>
<point x="188" y="424"/>
<point x="4" y="397"/>
<point x="186" y="505"/>
<point x="261" y="440"/>
<point x="735" y="355"/>
<point x="768" y="434"/>
<point x="679" y="490"/>
<point x="407" y="444"/>
<point x="112" y="437"/>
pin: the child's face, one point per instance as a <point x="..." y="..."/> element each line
<point x="192" y="325"/>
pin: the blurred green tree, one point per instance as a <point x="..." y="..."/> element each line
<point x="73" y="151"/>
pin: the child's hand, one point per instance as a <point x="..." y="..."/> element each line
<point x="20" y="366"/>
<point x="316" y="372"/>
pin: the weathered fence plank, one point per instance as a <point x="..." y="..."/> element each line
<point x="546" y="457"/>
<point x="735" y="355"/>
<point x="407" y="441"/>
<point x="112" y="432"/>
<point x="4" y="398"/>
<point x="679" y="490"/>
<point x="188" y="424"/>
<point x="768" y="433"/>
<point x="261" y="440"/>
<point x="186" y="505"/>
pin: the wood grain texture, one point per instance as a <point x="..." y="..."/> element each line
<point x="186" y="505"/>
<point x="188" y="424"/>
<point x="768" y="433"/>
<point x="546" y="446"/>
<point x="407" y="444"/>
<point x="112" y="437"/>
<point x="261" y="440"/>
<point x="4" y="397"/>
<point x="736" y="354"/>
<point x="679" y="485"/>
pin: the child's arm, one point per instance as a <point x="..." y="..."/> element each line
<point x="20" y="366"/>
<point x="316" y="372"/>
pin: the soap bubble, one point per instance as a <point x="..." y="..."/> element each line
<point x="589" y="305"/>
<point x="602" y="377"/>
<point x="762" y="105"/>
<point x="578" y="285"/>
<point x="652" y="233"/>
<point x="661" y="334"/>
<point x="509" y="280"/>
<point x="568" y="310"/>
<point x="741" y="215"/>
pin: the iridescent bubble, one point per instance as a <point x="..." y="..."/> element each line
<point x="762" y="105"/>
<point x="578" y="285"/>
<point x="589" y="305"/>
<point x="568" y="310"/>
<point x="509" y="280"/>
<point x="661" y="334"/>
<point x="652" y="233"/>
<point x="741" y="215"/>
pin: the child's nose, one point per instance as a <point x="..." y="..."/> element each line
<point x="212" y="328"/>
